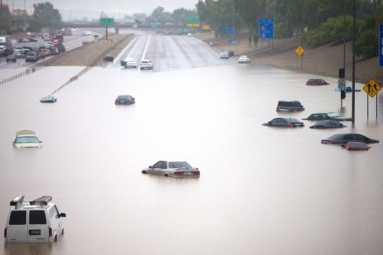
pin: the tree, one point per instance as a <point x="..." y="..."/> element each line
<point x="5" y="18"/>
<point x="139" y="16"/>
<point x="159" y="15"/>
<point x="181" y="15"/>
<point x="45" y="15"/>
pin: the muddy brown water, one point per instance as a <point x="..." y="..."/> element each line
<point x="262" y="190"/>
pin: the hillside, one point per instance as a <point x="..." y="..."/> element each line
<point x="325" y="60"/>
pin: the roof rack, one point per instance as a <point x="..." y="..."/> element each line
<point x="44" y="200"/>
<point x="17" y="200"/>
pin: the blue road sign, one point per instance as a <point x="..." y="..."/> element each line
<point x="229" y="30"/>
<point x="266" y="28"/>
<point x="381" y="45"/>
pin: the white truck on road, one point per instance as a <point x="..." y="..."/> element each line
<point x="5" y="41"/>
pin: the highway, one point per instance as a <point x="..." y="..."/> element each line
<point x="70" y="42"/>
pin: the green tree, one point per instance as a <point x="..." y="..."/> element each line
<point x="159" y="15"/>
<point x="5" y="19"/>
<point x="181" y="15"/>
<point x="139" y="16"/>
<point x="45" y="15"/>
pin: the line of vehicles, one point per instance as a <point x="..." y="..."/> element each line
<point x="32" y="53"/>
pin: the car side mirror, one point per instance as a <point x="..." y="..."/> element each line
<point x="62" y="215"/>
<point x="343" y="146"/>
<point x="150" y="167"/>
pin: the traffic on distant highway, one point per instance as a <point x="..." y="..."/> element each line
<point x="36" y="47"/>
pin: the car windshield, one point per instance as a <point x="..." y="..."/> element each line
<point x="179" y="164"/>
<point x="333" y="114"/>
<point x="358" y="145"/>
<point x="27" y="139"/>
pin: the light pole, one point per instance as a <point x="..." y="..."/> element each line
<point x="353" y="64"/>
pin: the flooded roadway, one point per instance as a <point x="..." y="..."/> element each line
<point x="262" y="190"/>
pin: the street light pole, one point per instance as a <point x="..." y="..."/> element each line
<point x="353" y="64"/>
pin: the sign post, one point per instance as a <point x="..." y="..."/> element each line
<point x="106" y="22"/>
<point x="266" y="29"/>
<point x="381" y="45"/>
<point x="299" y="52"/>
<point x="372" y="88"/>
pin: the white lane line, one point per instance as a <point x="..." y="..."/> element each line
<point x="146" y="47"/>
<point x="143" y="55"/>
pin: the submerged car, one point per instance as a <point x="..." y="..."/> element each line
<point x="172" y="168"/>
<point x="289" y="106"/>
<point x="243" y="59"/>
<point x="355" y="146"/>
<point x="316" y="82"/>
<point x="48" y="99"/>
<point x="348" y="137"/>
<point x="37" y="220"/>
<point x="323" y="124"/>
<point x="284" y="122"/>
<point x="26" y="138"/>
<point x="327" y="116"/>
<point x="124" y="99"/>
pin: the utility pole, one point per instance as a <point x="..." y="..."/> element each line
<point x="353" y="64"/>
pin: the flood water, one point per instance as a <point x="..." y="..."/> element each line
<point x="262" y="190"/>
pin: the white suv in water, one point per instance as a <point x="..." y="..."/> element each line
<point x="146" y="64"/>
<point x="33" y="221"/>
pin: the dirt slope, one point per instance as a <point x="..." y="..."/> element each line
<point x="325" y="60"/>
<point x="90" y="54"/>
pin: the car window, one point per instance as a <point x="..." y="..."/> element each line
<point x="358" y="145"/>
<point x="360" y="137"/>
<point x="164" y="165"/>
<point x="273" y="121"/>
<point x="296" y="104"/>
<point x="180" y="164"/>
<point x="37" y="217"/>
<point x="348" y="137"/>
<point x="27" y="139"/>
<point x="158" y="164"/>
<point x="18" y="218"/>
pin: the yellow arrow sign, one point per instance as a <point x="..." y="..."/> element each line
<point x="372" y="88"/>
<point x="299" y="50"/>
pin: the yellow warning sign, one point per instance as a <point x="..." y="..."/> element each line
<point x="372" y="88"/>
<point x="299" y="50"/>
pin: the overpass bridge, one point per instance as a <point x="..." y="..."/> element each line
<point x="117" y="26"/>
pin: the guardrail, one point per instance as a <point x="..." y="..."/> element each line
<point x="19" y="75"/>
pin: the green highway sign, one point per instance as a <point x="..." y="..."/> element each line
<point x="106" y="21"/>
<point x="193" y="22"/>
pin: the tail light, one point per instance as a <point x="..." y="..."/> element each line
<point x="178" y="173"/>
<point x="50" y="232"/>
<point x="195" y="172"/>
<point x="289" y="125"/>
<point x="5" y="233"/>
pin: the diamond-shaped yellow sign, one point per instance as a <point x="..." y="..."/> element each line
<point x="372" y="88"/>
<point x="299" y="50"/>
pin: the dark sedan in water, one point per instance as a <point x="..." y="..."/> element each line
<point x="323" y="124"/>
<point x="348" y="137"/>
<point x="124" y="99"/>
<point x="284" y="122"/>
<point x="48" y="99"/>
